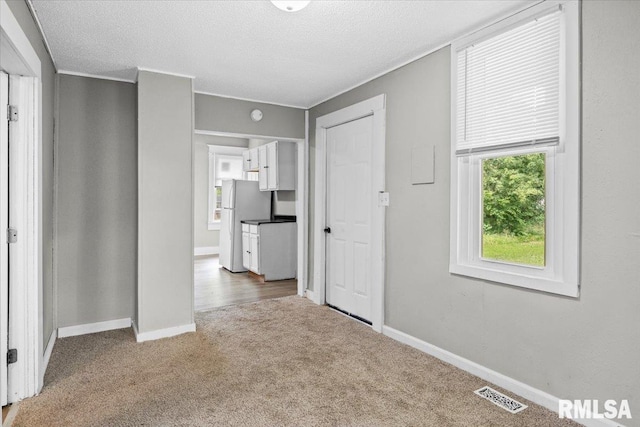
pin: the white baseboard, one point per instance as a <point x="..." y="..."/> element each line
<point x="163" y="333"/>
<point x="13" y="411"/>
<point x="310" y="295"/>
<point x="530" y="393"/>
<point x="48" y="350"/>
<point x="90" y="328"/>
<point x="206" y="250"/>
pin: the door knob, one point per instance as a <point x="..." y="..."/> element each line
<point x="327" y="230"/>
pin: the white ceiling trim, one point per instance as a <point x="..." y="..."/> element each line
<point x="32" y="10"/>
<point x="300" y="107"/>
<point x="152" y="70"/>
<point x="94" y="76"/>
<point x="245" y="135"/>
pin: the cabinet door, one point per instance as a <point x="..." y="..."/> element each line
<point x="246" y="251"/>
<point x="263" y="168"/>
<point x="255" y="253"/>
<point x="272" y="161"/>
<point x="246" y="160"/>
<point x="255" y="164"/>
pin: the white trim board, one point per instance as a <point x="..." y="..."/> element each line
<point x="302" y="203"/>
<point x="257" y="101"/>
<point x="47" y="354"/>
<point x="163" y="333"/>
<point x="374" y="107"/>
<point x="13" y="411"/>
<point x="47" y="46"/>
<point x="24" y="379"/>
<point x="151" y="70"/>
<point x="95" y="76"/>
<point x="310" y="295"/>
<point x="19" y="40"/>
<point x="91" y="328"/>
<point x="245" y="135"/>
<point x="206" y="250"/>
<point x="535" y="395"/>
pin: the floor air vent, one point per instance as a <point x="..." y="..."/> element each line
<point x="505" y="402"/>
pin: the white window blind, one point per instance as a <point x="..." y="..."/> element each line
<point x="508" y="88"/>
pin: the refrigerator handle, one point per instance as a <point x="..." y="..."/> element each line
<point x="230" y="202"/>
<point x="231" y="223"/>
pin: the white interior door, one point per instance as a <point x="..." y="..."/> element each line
<point x="4" y="224"/>
<point x="349" y="216"/>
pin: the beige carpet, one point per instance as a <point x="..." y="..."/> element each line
<point x="284" y="362"/>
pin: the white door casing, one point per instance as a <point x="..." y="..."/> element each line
<point x="374" y="108"/>
<point x="349" y="203"/>
<point x="4" y="224"/>
<point x="26" y="310"/>
<point x="302" y="185"/>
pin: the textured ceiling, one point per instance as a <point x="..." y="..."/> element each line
<point x="251" y="49"/>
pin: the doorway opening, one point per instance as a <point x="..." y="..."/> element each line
<point x="249" y="232"/>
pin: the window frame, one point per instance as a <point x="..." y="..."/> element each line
<point x="218" y="150"/>
<point x="560" y="275"/>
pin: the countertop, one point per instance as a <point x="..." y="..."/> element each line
<point x="266" y="221"/>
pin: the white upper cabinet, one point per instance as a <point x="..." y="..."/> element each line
<point x="263" y="166"/>
<point x="276" y="168"/>
<point x="250" y="160"/>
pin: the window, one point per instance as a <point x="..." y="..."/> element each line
<point x="515" y="151"/>
<point x="224" y="163"/>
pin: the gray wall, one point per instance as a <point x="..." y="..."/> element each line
<point x="22" y="14"/>
<point x="215" y="113"/>
<point x="165" y="202"/>
<point x="203" y="237"/>
<point x="584" y="348"/>
<point x="97" y="200"/>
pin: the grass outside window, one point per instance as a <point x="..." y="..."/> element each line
<point x="513" y="225"/>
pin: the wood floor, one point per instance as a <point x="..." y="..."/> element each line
<point x="217" y="287"/>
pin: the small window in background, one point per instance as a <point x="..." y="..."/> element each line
<point x="217" y="213"/>
<point x="225" y="167"/>
<point x="224" y="163"/>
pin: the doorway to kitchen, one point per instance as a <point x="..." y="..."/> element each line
<point x="237" y="212"/>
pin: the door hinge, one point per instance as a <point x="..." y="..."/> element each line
<point x="12" y="356"/>
<point x="12" y="113"/>
<point x="12" y="235"/>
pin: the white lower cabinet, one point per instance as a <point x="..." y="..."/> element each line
<point x="269" y="249"/>
<point x="254" y="244"/>
<point x="246" y="247"/>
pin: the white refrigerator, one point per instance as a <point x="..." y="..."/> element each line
<point x="241" y="200"/>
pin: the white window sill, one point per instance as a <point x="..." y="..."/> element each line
<point x="214" y="226"/>
<point x="544" y="284"/>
